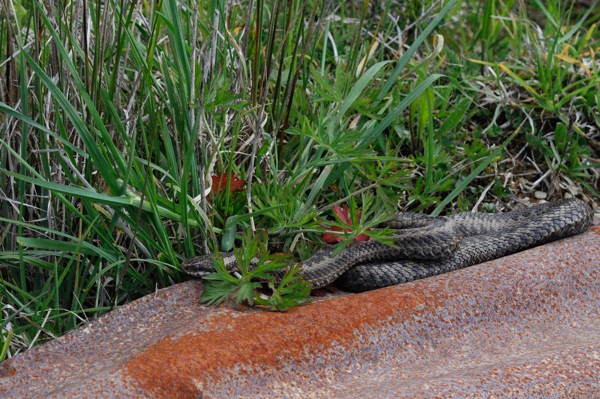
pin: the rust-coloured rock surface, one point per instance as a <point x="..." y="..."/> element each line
<point x="526" y="325"/>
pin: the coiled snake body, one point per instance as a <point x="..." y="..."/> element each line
<point x="426" y="246"/>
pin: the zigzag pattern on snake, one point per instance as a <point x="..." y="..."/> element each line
<point x="426" y="246"/>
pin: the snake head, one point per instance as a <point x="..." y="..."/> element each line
<point x="203" y="265"/>
<point x="199" y="266"/>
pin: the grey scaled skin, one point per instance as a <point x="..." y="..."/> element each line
<point x="426" y="246"/>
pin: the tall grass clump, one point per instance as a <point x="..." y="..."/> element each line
<point x="136" y="134"/>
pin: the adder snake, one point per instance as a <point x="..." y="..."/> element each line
<point x="426" y="246"/>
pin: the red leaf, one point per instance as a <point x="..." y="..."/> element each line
<point x="220" y="183"/>
<point x="343" y="214"/>
<point x="362" y="237"/>
<point x="332" y="238"/>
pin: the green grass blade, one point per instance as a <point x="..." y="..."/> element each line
<point x="407" y="56"/>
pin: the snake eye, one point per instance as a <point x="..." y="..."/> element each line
<point x="196" y="268"/>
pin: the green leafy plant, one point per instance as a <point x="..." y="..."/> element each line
<point x="256" y="269"/>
